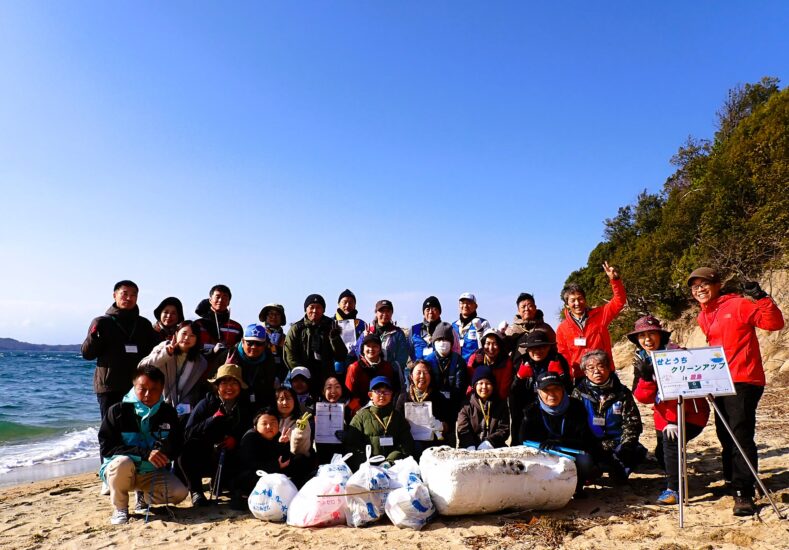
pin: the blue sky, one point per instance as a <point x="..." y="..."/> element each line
<point x="401" y="149"/>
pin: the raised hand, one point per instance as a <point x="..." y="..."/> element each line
<point x="610" y="271"/>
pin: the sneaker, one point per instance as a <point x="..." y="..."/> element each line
<point x="198" y="499"/>
<point x="141" y="506"/>
<point x="744" y="506"/>
<point x="105" y="489"/>
<point x="120" y="517"/>
<point x="668" y="496"/>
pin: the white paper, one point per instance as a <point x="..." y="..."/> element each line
<point x="329" y="418"/>
<point x="420" y="417"/>
<point x="348" y="332"/>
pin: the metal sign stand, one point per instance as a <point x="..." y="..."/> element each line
<point x="755" y="474"/>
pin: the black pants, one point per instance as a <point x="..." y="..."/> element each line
<point x="108" y="399"/>
<point x="199" y="459"/>
<point x="667" y="453"/>
<point x="740" y="413"/>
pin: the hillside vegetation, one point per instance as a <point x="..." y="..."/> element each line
<point x="726" y="206"/>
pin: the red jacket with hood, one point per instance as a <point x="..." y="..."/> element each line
<point x="730" y="321"/>
<point x="595" y="331"/>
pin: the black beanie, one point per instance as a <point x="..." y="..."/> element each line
<point x="346" y="294"/>
<point x="431" y="301"/>
<point x="314" y="299"/>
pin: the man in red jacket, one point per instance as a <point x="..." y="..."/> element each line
<point x="584" y="329"/>
<point x="730" y="321"/>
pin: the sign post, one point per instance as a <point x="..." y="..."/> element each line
<point x="696" y="373"/>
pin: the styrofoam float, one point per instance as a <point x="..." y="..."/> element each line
<point x="480" y="482"/>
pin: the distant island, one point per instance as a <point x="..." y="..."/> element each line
<point x="9" y="344"/>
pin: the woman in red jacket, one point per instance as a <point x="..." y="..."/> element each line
<point x="730" y="321"/>
<point x="648" y="335"/>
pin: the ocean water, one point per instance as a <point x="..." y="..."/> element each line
<point x="48" y="411"/>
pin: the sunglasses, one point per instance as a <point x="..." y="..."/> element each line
<point x="254" y="343"/>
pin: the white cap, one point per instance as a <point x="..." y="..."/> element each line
<point x="468" y="296"/>
<point x="301" y="371"/>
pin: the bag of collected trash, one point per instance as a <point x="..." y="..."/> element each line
<point x="408" y="505"/>
<point x="320" y="502"/>
<point x="366" y="492"/>
<point x="271" y="497"/>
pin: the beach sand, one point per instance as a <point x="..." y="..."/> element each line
<point x="69" y="513"/>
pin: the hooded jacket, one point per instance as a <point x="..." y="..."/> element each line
<point x="133" y="429"/>
<point x="162" y="331"/>
<point x="472" y="428"/>
<point x="595" y="331"/>
<point x="730" y="321"/>
<point x="118" y="340"/>
<point x="184" y="379"/>
<point x="357" y="381"/>
<point x="230" y="332"/>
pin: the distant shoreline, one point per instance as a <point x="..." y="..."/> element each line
<point x="10" y="344"/>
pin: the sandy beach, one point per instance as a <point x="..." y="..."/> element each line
<point x="68" y="512"/>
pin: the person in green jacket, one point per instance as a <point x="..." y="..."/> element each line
<point x="380" y="426"/>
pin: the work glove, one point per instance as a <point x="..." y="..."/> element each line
<point x="525" y="371"/>
<point x="671" y="431"/>
<point x="484" y="445"/>
<point x="644" y="366"/>
<point x="476" y="323"/>
<point x="752" y="290"/>
<point x="219" y="347"/>
<point x="549" y="444"/>
<point x="471" y="448"/>
<point x="219" y="413"/>
<point x="555" y="366"/>
<point x="503" y="326"/>
<point x="229" y="443"/>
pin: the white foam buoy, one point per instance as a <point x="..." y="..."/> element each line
<point x="480" y="482"/>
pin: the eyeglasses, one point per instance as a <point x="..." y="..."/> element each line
<point x="595" y="368"/>
<point x="382" y="392"/>
<point x="701" y="286"/>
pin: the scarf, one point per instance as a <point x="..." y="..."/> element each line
<point x="558" y="410"/>
<point x="247" y="359"/>
<point x="343" y="316"/>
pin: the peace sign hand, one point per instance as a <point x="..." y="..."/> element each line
<point x="610" y="271"/>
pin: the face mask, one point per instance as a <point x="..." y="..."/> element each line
<point x="442" y="347"/>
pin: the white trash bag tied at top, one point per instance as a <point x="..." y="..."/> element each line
<point x="408" y="505"/>
<point x="465" y="482"/>
<point x="271" y="497"/>
<point x="366" y="492"/>
<point x="321" y="502"/>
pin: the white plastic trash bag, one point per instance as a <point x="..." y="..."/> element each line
<point x="409" y="505"/>
<point x="320" y="502"/>
<point x="271" y="497"/>
<point x="366" y="493"/>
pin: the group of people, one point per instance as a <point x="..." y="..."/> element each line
<point x="183" y="400"/>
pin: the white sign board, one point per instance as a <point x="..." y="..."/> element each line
<point x="329" y="418"/>
<point x="692" y="373"/>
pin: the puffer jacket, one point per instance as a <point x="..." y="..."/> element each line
<point x="730" y="321"/>
<point x="595" y="330"/>
<point x="118" y="340"/>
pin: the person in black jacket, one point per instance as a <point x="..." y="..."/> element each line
<point x="118" y="340"/>
<point x="139" y="438"/>
<point x="557" y="420"/>
<point x="213" y="431"/>
<point x="314" y="342"/>
<point x="264" y="448"/>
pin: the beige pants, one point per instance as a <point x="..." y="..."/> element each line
<point x="122" y="478"/>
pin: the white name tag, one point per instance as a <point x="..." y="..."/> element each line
<point x="251" y="397"/>
<point x="598" y="421"/>
<point x="183" y="408"/>
<point x="386" y="441"/>
<point x="580" y="342"/>
<point x="131" y="348"/>
<point x="445" y="394"/>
